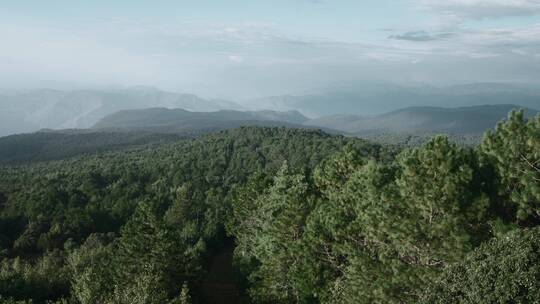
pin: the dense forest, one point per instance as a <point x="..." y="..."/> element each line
<point x="56" y="145"/>
<point x="299" y="216"/>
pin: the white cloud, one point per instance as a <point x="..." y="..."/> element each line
<point x="481" y="9"/>
<point x="479" y="43"/>
<point x="256" y="58"/>
<point x="236" y="58"/>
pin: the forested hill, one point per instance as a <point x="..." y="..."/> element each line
<point x="175" y="120"/>
<point x="55" y="145"/>
<point x="96" y="222"/>
<point x="311" y="218"/>
<point x="135" y="129"/>
<point x="472" y="120"/>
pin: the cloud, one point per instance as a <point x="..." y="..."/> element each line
<point x="482" y="9"/>
<point x="465" y="42"/>
<point x="255" y="59"/>
<point x="421" y="36"/>
<point x="236" y="58"/>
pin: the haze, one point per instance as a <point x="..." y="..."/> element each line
<point x="69" y="64"/>
<point x="269" y="151"/>
<point x="246" y="49"/>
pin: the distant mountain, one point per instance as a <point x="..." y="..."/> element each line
<point x="373" y="99"/>
<point x="136" y="128"/>
<point x="29" y="111"/>
<point x="180" y="120"/>
<point x="422" y="120"/>
<point x="130" y="129"/>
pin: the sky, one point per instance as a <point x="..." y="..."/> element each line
<point x="253" y="48"/>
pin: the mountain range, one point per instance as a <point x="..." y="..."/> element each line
<point x="375" y="99"/>
<point x="29" y="111"/>
<point x="131" y="129"/>
<point x="142" y="127"/>
<point x="163" y="120"/>
<point x="422" y="120"/>
<point x="471" y="120"/>
<point x="348" y="109"/>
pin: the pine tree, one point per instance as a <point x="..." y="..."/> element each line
<point x="149" y="253"/>
<point x="513" y="149"/>
<point x="505" y="269"/>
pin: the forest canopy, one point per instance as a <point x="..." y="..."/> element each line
<point x="304" y="217"/>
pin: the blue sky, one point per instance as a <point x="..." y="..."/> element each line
<point x="241" y="48"/>
<point x="339" y="19"/>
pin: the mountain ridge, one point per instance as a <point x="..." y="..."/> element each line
<point x="181" y="118"/>
<point x="30" y="111"/>
<point x="383" y="98"/>
<point x="421" y="120"/>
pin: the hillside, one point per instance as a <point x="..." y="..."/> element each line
<point x="277" y="215"/>
<point x="375" y="99"/>
<point x="131" y="129"/>
<point x="30" y="111"/>
<point x="91" y="199"/>
<point x="422" y="120"/>
<point x="177" y="120"/>
<point x="139" y="128"/>
<point x="44" y="146"/>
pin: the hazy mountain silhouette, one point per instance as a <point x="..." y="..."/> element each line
<point x="30" y="111"/>
<point x="177" y="120"/>
<point x="420" y="120"/>
<point x="373" y="99"/>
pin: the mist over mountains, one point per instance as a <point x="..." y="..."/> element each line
<point x="422" y="120"/>
<point x="233" y="152"/>
<point x="375" y="99"/>
<point x="163" y="120"/>
<point x="30" y="111"/>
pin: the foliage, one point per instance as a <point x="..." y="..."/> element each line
<point x="45" y="279"/>
<point x="361" y="230"/>
<point x="315" y="219"/>
<point x="56" y="145"/>
<point x="134" y="223"/>
<point x="503" y="270"/>
<point x="513" y="149"/>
